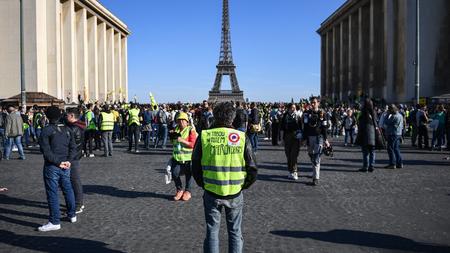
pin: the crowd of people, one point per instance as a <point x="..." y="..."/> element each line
<point x="215" y="145"/>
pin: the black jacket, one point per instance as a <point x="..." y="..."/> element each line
<point x="250" y="166"/>
<point x="315" y="124"/>
<point x="57" y="144"/>
<point x="78" y="134"/>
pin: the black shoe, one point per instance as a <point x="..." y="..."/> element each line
<point x="315" y="182"/>
<point x="400" y="166"/>
<point x="363" y="170"/>
<point x="390" y="166"/>
<point x="79" y="209"/>
<point x="109" y="154"/>
<point x="371" y="169"/>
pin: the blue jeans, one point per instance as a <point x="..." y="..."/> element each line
<point x="55" y="177"/>
<point x="27" y="136"/>
<point x="254" y="141"/>
<point x="162" y="135"/>
<point x="9" y="145"/>
<point x="349" y="133"/>
<point x="368" y="156"/>
<point x="233" y="211"/>
<point x="177" y="170"/>
<point x="37" y="132"/>
<point x="393" y="149"/>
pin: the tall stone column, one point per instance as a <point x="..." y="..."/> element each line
<point x="110" y="64"/>
<point x="93" y="58"/>
<point x="82" y="55"/>
<point x="54" y="49"/>
<point x="389" y="42"/>
<point x="334" y="74"/>
<point x="118" y="66"/>
<point x="350" y="88"/>
<point x="125" y="68"/>
<point x="371" y="48"/>
<point x="323" y="64"/>
<point x="102" y="62"/>
<point x="341" y="61"/>
<point x="39" y="54"/>
<point x="68" y="51"/>
<point x="330" y="63"/>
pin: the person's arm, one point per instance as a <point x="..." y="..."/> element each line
<point x="100" y="120"/>
<point x="250" y="164"/>
<point x="72" y="148"/>
<point x="196" y="164"/>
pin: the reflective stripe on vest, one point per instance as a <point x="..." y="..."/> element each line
<point x="133" y="117"/>
<point x="107" y="122"/>
<point x="181" y="153"/>
<point x="36" y="122"/>
<point x="90" y="121"/>
<point x="223" y="161"/>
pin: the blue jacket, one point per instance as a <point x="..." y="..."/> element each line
<point x="57" y="144"/>
<point x="393" y="123"/>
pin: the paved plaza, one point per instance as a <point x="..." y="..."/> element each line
<point x="129" y="208"/>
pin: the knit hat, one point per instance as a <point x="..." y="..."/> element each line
<point x="53" y="113"/>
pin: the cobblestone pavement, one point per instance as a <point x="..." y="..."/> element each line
<point x="128" y="206"/>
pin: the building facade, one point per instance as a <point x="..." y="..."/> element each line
<point x="368" y="47"/>
<point x="71" y="48"/>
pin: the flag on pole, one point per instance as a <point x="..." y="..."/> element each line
<point x="152" y="100"/>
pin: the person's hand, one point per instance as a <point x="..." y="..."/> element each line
<point x="327" y="144"/>
<point x="181" y="140"/>
<point x="65" y="165"/>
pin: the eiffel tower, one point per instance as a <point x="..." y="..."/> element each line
<point x="226" y="65"/>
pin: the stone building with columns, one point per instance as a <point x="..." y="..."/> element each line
<point x="368" y="47"/>
<point x="71" y="48"/>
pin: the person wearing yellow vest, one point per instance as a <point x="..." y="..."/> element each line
<point x="91" y="129"/>
<point x="183" y="139"/>
<point x="134" y="124"/>
<point x="106" y="123"/>
<point x="223" y="164"/>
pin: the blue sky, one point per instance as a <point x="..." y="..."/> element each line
<point x="174" y="47"/>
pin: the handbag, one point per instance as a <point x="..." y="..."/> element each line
<point x="255" y="128"/>
<point x="380" y="142"/>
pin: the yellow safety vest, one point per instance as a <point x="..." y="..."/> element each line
<point x="107" y="121"/>
<point x="181" y="153"/>
<point x="223" y="162"/>
<point x="133" y="117"/>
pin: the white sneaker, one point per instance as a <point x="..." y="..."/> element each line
<point x="91" y="155"/>
<point x="49" y="227"/>
<point x="80" y="209"/>
<point x="293" y="175"/>
<point x="73" y="219"/>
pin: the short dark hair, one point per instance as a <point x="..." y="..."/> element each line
<point x="224" y="114"/>
<point x="74" y="110"/>
<point x="314" y="97"/>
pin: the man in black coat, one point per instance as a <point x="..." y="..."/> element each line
<point x="59" y="149"/>
<point x="77" y="126"/>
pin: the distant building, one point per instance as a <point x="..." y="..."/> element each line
<point x="368" y="47"/>
<point x="71" y="48"/>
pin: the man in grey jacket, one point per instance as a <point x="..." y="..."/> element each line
<point x="394" y="126"/>
<point x="13" y="132"/>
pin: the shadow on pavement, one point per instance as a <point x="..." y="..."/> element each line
<point x="7" y="200"/>
<point x="114" y="192"/>
<point x="54" y="244"/>
<point x="365" y="239"/>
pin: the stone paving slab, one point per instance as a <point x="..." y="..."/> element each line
<point x="128" y="206"/>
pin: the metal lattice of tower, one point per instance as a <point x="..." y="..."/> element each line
<point x="226" y="65"/>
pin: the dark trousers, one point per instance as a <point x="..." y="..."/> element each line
<point x="76" y="183"/>
<point x="177" y="170"/>
<point x="133" y="136"/>
<point x="423" y="137"/>
<point x="275" y="133"/>
<point x="414" y="132"/>
<point x="89" y="136"/>
<point x="448" y="137"/>
<point x="291" y="149"/>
